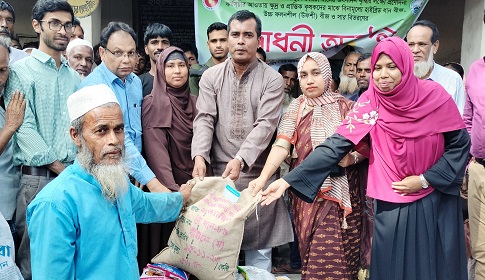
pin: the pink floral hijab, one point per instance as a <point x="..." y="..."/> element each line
<point x="405" y="124"/>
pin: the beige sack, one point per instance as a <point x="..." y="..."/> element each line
<point x="207" y="236"/>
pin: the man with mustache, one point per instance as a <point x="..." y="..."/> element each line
<point x="118" y="53"/>
<point x="239" y="105"/>
<point x="348" y="86"/>
<point x="157" y="37"/>
<point x="217" y="44"/>
<point x="362" y="74"/>
<point x="41" y="145"/>
<point x="84" y="220"/>
<point x="7" y="21"/>
<point x="80" y="54"/>
<point x="423" y="40"/>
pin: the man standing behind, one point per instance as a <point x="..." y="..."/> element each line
<point x="363" y="74"/>
<point x="157" y="37"/>
<point x="474" y="121"/>
<point x="42" y="145"/>
<point x="217" y="44"/>
<point x="118" y="52"/>
<point x="82" y="225"/>
<point x="10" y="120"/>
<point x="423" y="40"/>
<point x="7" y="21"/>
<point x="79" y="54"/>
<point x="290" y="79"/>
<point x="348" y="83"/>
<point x="238" y="109"/>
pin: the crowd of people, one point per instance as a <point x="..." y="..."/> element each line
<point x="98" y="146"/>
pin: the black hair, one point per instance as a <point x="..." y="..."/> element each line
<point x="244" y="15"/>
<point x="77" y="22"/>
<point x="262" y="52"/>
<point x="96" y="56"/>
<point x="457" y="67"/>
<point x="363" y="57"/>
<point x="435" y="33"/>
<point x="189" y="47"/>
<point x="113" y="27"/>
<point x="5" y="6"/>
<point x="287" y="67"/>
<point x="32" y="44"/>
<point x="155" y="30"/>
<point x="216" y="26"/>
<point x="43" y="7"/>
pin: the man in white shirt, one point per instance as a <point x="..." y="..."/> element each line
<point x="423" y="41"/>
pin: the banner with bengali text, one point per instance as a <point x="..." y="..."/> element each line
<point x="294" y="27"/>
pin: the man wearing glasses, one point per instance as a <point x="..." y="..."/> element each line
<point x="423" y="40"/>
<point x="7" y="21"/>
<point x="42" y="145"/>
<point x="118" y="53"/>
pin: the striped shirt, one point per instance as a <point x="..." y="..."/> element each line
<point x="43" y="136"/>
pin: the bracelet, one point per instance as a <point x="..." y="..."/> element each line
<point x="356" y="158"/>
<point x="269" y="163"/>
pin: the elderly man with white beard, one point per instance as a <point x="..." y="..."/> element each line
<point x="79" y="54"/>
<point x="423" y="40"/>
<point x="82" y="224"/>
<point x="348" y="86"/>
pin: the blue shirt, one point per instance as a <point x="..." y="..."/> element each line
<point x="75" y="233"/>
<point x="129" y="95"/>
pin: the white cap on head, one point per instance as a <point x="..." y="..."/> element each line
<point x="88" y="98"/>
<point x="77" y="42"/>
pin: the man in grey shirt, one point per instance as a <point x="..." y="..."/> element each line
<point x="10" y="120"/>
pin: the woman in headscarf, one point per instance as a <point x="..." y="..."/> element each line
<point x="167" y="115"/>
<point x="419" y="151"/>
<point x="327" y="229"/>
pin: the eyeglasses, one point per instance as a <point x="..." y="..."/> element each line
<point x="56" y="25"/>
<point x="119" y="54"/>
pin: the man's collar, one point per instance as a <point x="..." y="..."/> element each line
<point x="44" y="58"/>
<point x="112" y="77"/>
<point x="250" y="67"/>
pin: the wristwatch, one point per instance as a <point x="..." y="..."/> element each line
<point x="424" y="185"/>
<point x="238" y="157"/>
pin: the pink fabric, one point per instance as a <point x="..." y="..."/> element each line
<point x="405" y="125"/>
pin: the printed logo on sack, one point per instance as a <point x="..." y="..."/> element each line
<point x="211" y="4"/>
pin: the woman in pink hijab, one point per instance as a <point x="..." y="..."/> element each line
<point x="418" y="154"/>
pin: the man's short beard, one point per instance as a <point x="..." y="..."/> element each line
<point x="422" y="68"/>
<point x="111" y="177"/>
<point x="347" y="85"/>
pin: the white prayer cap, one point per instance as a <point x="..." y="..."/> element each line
<point x="77" y="42"/>
<point x="88" y="98"/>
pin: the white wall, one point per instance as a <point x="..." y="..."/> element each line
<point x="473" y="41"/>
